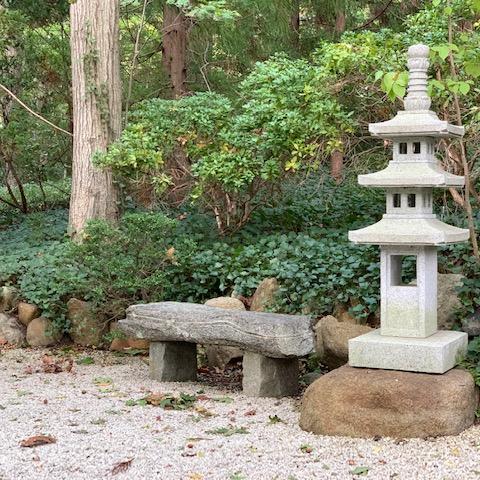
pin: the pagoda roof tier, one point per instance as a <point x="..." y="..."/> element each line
<point x="412" y="174"/>
<point x="412" y="123"/>
<point x="409" y="231"/>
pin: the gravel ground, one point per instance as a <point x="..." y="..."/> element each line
<point x="91" y="412"/>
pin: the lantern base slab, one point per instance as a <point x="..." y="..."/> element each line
<point x="437" y="353"/>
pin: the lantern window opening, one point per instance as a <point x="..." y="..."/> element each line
<point x="403" y="270"/>
<point x="397" y="200"/>
<point x="402" y="148"/>
<point x="417" y="147"/>
<point x="411" y="200"/>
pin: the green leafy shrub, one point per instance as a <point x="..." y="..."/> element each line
<point x="471" y="361"/>
<point x="236" y="153"/>
<point x="134" y="262"/>
<point x="38" y="260"/>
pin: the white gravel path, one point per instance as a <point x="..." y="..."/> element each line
<point x="86" y="411"/>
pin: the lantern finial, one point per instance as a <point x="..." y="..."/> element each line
<point x="417" y="97"/>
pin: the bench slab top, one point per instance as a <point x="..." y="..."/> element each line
<point x="270" y="334"/>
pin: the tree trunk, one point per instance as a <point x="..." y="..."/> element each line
<point x="96" y="92"/>
<point x="336" y="165"/>
<point x="340" y="22"/>
<point x="295" y="24"/>
<point x="174" y="49"/>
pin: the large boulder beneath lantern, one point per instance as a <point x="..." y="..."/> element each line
<point x="86" y="328"/>
<point x="332" y="339"/>
<point x="358" y="402"/>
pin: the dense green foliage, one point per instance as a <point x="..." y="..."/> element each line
<point x="232" y="177"/>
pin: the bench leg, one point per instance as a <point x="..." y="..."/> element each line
<point x="173" y="361"/>
<point x="269" y="377"/>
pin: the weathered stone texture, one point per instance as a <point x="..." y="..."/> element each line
<point x="270" y="334"/>
<point x="86" y="328"/>
<point x="26" y="312"/>
<point x="269" y="377"/>
<point x="40" y="333"/>
<point x="447" y="299"/>
<point x="264" y="296"/>
<point x="173" y="361"/>
<point x="11" y="330"/>
<point x="365" y="403"/>
<point x="332" y="339"/>
<point x="229" y="303"/>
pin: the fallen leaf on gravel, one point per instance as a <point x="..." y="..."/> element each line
<point x="86" y="361"/>
<point x="272" y="419"/>
<point x="170" y="402"/>
<point x="103" y="382"/>
<point x="37" y="440"/>
<point x="195" y="476"/>
<point x="204" y="412"/>
<point x="250" y="413"/>
<point x="122" y="466"/>
<point x="223" y="399"/>
<point x="351" y="462"/>
<point x="360" y="471"/>
<point x="228" y="431"/>
<point x="455" y="452"/>
<point x="51" y="365"/>
<point x="306" y="448"/>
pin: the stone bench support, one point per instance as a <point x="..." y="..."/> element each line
<point x="173" y="361"/>
<point x="269" y="377"/>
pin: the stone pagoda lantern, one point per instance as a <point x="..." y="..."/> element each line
<point x="399" y="392"/>
<point x="408" y="235"/>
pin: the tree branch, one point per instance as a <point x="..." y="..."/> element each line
<point x="35" y="114"/>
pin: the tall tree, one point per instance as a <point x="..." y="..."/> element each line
<point x="174" y="50"/>
<point x="96" y="91"/>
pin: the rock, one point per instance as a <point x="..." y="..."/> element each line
<point x="120" y="342"/>
<point x="341" y="313"/>
<point x="271" y="334"/>
<point x="226" y="302"/>
<point x="332" y="340"/>
<point x="358" y="402"/>
<point x="310" y="377"/>
<point x="138" y="343"/>
<point x="221" y="355"/>
<point x="471" y="325"/>
<point x="27" y="312"/>
<point x="173" y="361"/>
<point x="86" y="328"/>
<point x="40" y="333"/>
<point x="11" y="330"/>
<point x="8" y="298"/>
<point x="447" y="299"/>
<point x="264" y="296"/>
<point x="269" y="377"/>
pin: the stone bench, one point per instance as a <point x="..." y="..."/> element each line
<point x="272" y="342"/>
